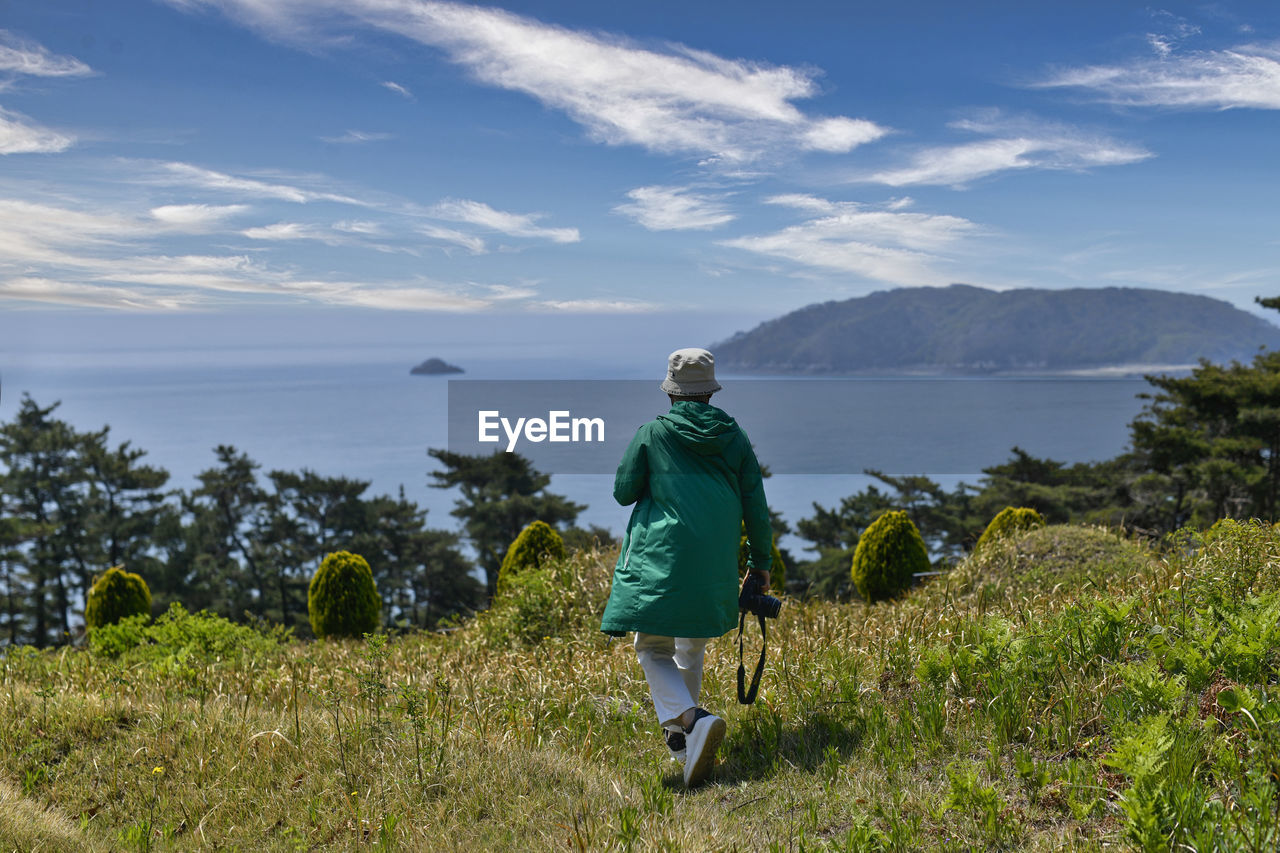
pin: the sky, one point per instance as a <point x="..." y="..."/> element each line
<point x="280" y="159"/>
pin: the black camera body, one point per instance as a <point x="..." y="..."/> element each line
<point x="753" y="600"/>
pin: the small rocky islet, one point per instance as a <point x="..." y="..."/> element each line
<point x="434" y="367"/>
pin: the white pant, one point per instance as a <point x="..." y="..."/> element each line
<point x="673" y="668"/>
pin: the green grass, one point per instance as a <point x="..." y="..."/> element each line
<point x="1064" y="690"/>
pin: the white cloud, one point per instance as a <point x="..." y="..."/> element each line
<point x="803" y="201"/>
<point x="513" y="224"/>
<point x="19" y="135"/>
<point x="884" y="245"/>
<point x="502" y="292"/>
<point x="188" y="175"/>
<point x="355" y="226"/>
<point x="838" y="135"/>
<point x="286" y="231"/>
<point x="338" y="234"/>
<point x="470" y="242"/>
<point x="20" y="56"/>
<point x="37" y="235"/>
<point x="107" y="259"/>
<point x="397" y="88"/>
<point x="1174" y="31"/>
<point x="399" y="298"/>
<point x="596" y="306"/>
<point x="190" y="273"/>
<point x="196" y="216"/>
<point x="356" y="137"/>
<point x="1018" y="144"/>
<point x="1246" y="76"/>
<point x="675" y="100"/>
<point x="674" y="209"/>
<point x="50" y="292"/>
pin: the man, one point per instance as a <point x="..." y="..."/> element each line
<point x="694" y="480"/>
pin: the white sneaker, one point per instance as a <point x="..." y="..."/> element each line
<point x="702" y="739"/>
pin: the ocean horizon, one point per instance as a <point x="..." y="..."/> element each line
<point x="359" y="413"/>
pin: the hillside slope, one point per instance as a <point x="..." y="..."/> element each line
<point x="1065" y="689"/>
<point x="970" y="329"/>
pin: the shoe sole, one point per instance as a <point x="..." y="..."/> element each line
<point x="701" y="768"/>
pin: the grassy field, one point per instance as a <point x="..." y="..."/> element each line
<point x="1064" y="689"/>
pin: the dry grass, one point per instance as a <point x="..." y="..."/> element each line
<point x="28" y="826"/>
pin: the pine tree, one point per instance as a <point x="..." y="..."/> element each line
<point x="501" y="494"/>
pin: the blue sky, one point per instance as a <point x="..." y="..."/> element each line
<point x="591" y="158"/>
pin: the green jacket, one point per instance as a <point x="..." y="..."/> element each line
<point x="694" y="479"/>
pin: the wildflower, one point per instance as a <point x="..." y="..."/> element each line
<point x="157" y="771"/>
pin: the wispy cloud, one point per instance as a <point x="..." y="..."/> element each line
<point x="402" y="91"/>
<point x="196" y="216"/>
<point x="470" y="242"/>
<point x="674" y="209"/>
<point x="512" y="224"/>
<point x="595" y="306"/>
<point x="286" y="231"/>
<point x="189" y="175"/>
<point x="356" y="226"/>
<point x="20" y="135"/>
<point x="356" y="137"/>
<point x="105" y="259"/>
<point x="1246" y="76"/>
<point x="1186" y="277"/>
<point x="46" y="291"/>
<point x="671" y="100"/>
<point x="409" y="297"/>
<point x="884" y="245"/>
<point x="1015" y="144"/>
<point x="336" y="234"/>
<point x="21" y="56"/>
<point x="503" y="292"/>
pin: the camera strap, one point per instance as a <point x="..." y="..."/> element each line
<point x="745" y="696"/>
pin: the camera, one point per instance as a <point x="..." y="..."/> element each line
<point x="753" y="600"/>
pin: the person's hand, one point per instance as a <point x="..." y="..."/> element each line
<point x="763" y="577"/>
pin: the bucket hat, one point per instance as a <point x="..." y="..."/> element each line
<point x="691" y="372"/>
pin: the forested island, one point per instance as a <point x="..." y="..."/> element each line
<point x="965" y="329"/>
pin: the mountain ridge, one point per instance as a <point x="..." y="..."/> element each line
<point x="968" y="329"/>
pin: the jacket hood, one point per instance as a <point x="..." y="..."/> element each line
<point x="700" y="426"/>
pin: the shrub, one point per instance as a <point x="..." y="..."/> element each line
<point x="889" y="552"/>
<point x="534" y="547"/>
<point x="1010" y="520"/>
<point x="116" y="638"/>
<point x="777" y="568"/>
<point x="115" y="595"/>
<point x="563" y="599"/>
<point x="1239" y="557"/>
<point x="192" y="637"/>
<point x="1035" y="561"/>
<point x="342" y="600"/>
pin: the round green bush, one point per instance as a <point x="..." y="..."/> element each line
<point x="342" y="600"/>
<point x="777" y="568"/>
<point x="1010" y="520"/>
<point x="114" y="595"/>
<point x="890" y="551"/>
<point x="537" y="544"/>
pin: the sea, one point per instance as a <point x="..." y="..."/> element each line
<point x="367" y="417"/>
